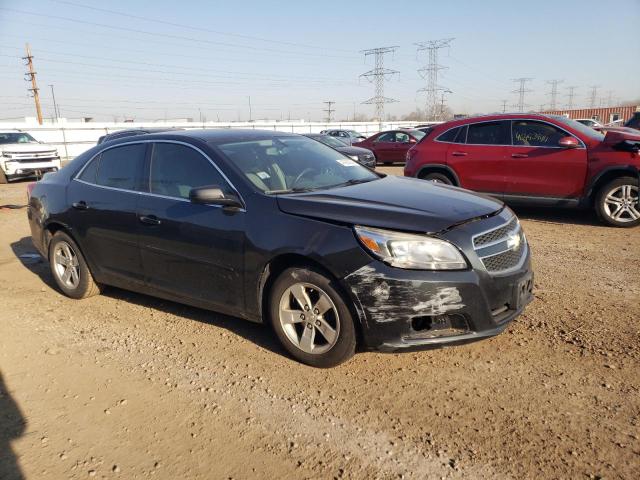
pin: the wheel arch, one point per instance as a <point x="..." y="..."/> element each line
<point x="280" y="263"/>
<point x="607" y="175"/>
<point x="50" y="229"/>
<point x="439" y="168"/>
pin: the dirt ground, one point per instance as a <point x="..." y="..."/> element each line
<point x="127" y="386"/>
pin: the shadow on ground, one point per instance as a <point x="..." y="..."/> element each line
<point x="259" y="334"/>
<point x="561" y="216"/>
<point x="12" y="426"/>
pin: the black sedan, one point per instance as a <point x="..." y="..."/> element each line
<point x="278" y="228"/>
<point x="360" y="155"/>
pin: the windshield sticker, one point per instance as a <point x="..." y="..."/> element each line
<point x="536" y="137"/>
<point x="263" y="175"/>
<point x="346" y="163"/>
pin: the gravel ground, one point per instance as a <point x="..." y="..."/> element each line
<point x="127" y="386"/>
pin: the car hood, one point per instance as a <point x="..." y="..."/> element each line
<point x="26" y="147"/>
<point x="347" y="150"/>
<point x="618" y="134"/>
<point x="392" y="202"/>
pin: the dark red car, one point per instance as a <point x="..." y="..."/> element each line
<point x="533" y="159"/>
<point x="391" y="146"/>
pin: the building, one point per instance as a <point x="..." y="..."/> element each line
<point x="603" y="115"/>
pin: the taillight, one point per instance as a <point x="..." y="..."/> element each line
<point x="410" y="154"/>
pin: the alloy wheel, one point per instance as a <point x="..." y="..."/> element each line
<point x="621" y="203"/>
<point x="309" y="318"/>
<point x="66" y="265"/>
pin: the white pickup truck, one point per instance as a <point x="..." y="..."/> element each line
<point x="22" y="156"/>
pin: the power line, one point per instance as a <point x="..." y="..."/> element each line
<point x="521" y="90"/>
<point x="377" y="76"/>
<point x="553" y="93"/>
<point x="31" y="74"/>
<point x="571" y="95"/>
<point x="430" y="72"/>
<point x="329" y="110"/>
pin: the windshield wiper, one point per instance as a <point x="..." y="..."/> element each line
<point x="289" y="190"/>
<point x="353" y="181"/>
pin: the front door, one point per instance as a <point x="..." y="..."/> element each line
<point x="479" y="158"/>
<point x="105" y="198"/>
<point x="190" y="250"/>
<point x="539" y="167"/>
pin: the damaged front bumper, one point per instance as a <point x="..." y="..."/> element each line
<point x="414" y="309"/>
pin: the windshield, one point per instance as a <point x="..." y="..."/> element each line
<point x="355" y="134"/>
<point x="418" y="134"/>
<point x="294" y="164"/>
<point x="583" y="129"/>
<point x="16" y="137"/>
<point x="331" y="141"/>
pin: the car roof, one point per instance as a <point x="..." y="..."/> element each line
<point x="495" y="117"/>
<point x="223" y="135"/>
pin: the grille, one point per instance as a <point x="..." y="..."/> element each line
<point x="495" y="235"/>
<point x="505" y="260"/>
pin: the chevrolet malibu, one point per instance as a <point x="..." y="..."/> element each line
<point x="281" y="229"/>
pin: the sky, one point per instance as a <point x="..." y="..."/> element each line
<point x="151" y="60"/>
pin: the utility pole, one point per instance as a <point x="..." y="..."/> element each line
<point x="329" y="110"/>
<point x="504" y="106"/>
<point x="55" y="105"/>
<point x="553" y="93"/>
<point x="521" y="90"/>
<point x="31" y="76"/>
<point x="441" y="116"/>
<point x="571" y="95"/>
<point x="592" y="97"/>
<point x="430" y="73"/>
<point x="250" y="112"/>
<point x="377" y="77"/>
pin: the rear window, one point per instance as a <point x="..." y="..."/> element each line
<point x="121" y="167"/>
<point x="455" y="135"/>
<point x="487" y="133"/>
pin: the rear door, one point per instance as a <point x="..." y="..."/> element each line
<point x="479" y="160"/>
<point x="384" y="147"/>
<point x="189" y="250"/>
<point x="104" y="197"/>
<point x="539" y="167"/>
<point x="404" y="142"/>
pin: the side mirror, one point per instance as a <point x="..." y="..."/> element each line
<point x="413" y="140"/>
<point x="568" y="142"/>
<point x="213" y="195"/>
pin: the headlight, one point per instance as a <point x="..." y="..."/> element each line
<point x="406" y="250"/>
<point x="353" y="157"/>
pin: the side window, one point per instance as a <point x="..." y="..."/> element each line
<point x="487" y="133"/>
<point x="90" y="171"/>
<point x="387" y="137"/>
<point x="121" y="167"/>
<point x="536" y="134"/>
<point x="176" y="169"/>
<point x="449" y="135"/>
<point x="402" y="137"/>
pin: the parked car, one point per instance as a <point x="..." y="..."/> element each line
<point x="534" y="159"/>
<point x="590" y="122"/>
<point x="22" y="156"/>
<point x="132" y="133"/>
<point x="391" y="146"/>
<point x="634" y="121"/>
<point x="273" y="227"/>
<point x="360" y="155"/>
<point x="349" y="137"/>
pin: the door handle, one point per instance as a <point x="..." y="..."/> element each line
<point x="150" y="220"/>
<point x="81" y="205"/>
<point x="519" y="155"/>
<point x="459" y="154"/>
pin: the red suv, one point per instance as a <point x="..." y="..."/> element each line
<point x="532" y="159"/>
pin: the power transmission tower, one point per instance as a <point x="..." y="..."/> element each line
<point x="329" y="110"/>
<point x="553" y="93"/>
<point x="31" y="76"/>
<point x="442" y="105"/>
<point x="610" y="98"/>
<point x="377" y="77"/>
<point x="592" y="97"/>
<point x="521" y="90"/>
<point x="571" y="95"/>
<point x="504" y="106"/>
<point x="430" y="73"/>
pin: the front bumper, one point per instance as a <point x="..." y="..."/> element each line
<point x="27" y="169"/>
<point x="413" y="309"/>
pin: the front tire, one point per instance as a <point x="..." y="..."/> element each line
<point x="617" y="203"/>
<point x="69" y="268"/>
<point x="311" y="318"/>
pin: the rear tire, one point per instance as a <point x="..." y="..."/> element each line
<point x="3" y="178"/>
<point x="69" y="268"/>
<point x="311" y="318"/>
<point x="617" y="203"/>
<point x="437" y="178"/>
